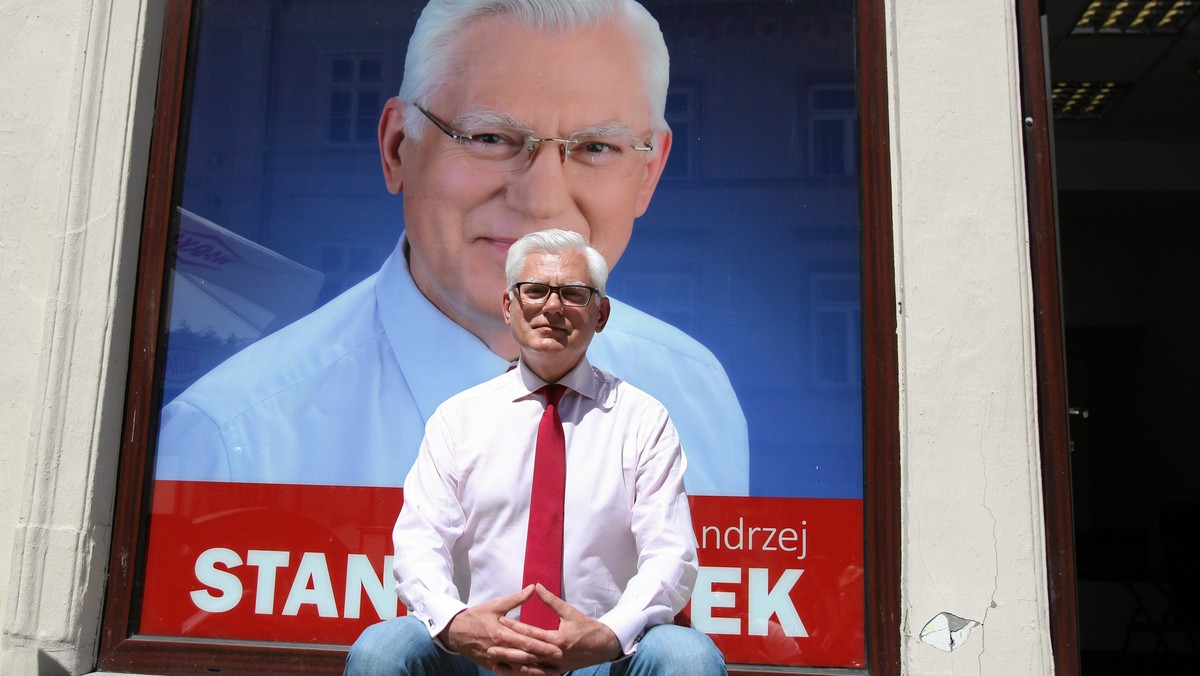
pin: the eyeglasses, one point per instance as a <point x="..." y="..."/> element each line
<point x="571" y="295"/>
<point x="587" y="153"/>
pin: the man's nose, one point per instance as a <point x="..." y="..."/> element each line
<point x="553" y="302"/>
<point x="542" y="190"/>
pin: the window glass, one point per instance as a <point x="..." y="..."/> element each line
<point x="736" y="302"/>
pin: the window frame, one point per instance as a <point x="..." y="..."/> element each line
<point x="1053" y="428"/>
<point x="842" y="117"/>
<point x="353" y="88"/>
<point x="123" y="650"/>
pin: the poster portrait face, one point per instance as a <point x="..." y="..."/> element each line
<point x="461" y="215"/>
<point x="338" y="272"/>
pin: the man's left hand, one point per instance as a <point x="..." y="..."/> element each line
<point x="583" y="640"/>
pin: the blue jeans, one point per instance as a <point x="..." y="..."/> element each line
<point x="403" y="647"/>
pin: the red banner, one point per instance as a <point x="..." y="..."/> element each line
<point x="781" y="579"/>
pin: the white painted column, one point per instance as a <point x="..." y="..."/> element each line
<point x="79" y="81"/>
<point x="973" y="540"/>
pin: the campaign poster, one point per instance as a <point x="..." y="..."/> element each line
<point x="736" y="298"/>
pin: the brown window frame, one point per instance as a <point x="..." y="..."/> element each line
<point x="121" y="649"/>
<point x="1053" y="429"/>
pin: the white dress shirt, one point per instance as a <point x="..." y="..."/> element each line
<point x="629" y="552"/>
<point x="341" y="396"/>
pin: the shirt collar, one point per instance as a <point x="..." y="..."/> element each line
<point x="437" y="357"/>
<point x="582" y="379"/>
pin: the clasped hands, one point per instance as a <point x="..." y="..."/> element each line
<point x="485" y="635"/>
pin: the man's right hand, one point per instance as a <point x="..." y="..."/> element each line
<point x="478" y="628"/>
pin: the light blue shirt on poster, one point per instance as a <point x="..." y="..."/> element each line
<point x="341" y="396"/>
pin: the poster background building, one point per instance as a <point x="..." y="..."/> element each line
<point x="757" y="215"/>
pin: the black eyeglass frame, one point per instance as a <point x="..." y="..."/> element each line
<point x="551" y="289"/>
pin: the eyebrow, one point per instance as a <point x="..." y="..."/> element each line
<point x="486" y="117"/>
<point x="614" y="128"/>
<point x="480" y="116"/>
<point x="541" y="281"/>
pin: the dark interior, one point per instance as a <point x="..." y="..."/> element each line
<point x="1128" y="189"/>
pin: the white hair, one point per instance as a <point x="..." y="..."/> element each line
<point x="431" y="47"/>
<point x="555" y="242"/>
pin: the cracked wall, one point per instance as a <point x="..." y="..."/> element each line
<point x="974" y="569"/>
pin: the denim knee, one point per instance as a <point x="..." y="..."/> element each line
<point x="389" y="647"/>
<point x="671" y="649"/>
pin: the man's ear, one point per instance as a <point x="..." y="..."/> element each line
<point x="391" y="135"/>
<point x="654" y="170"/>
<point x="506" y="307"/>
<point x="605" y="308"/>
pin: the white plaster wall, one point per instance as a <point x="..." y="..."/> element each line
<point x="973" y="541"/>
<point x="74" y="124"/>
<point x="72" y="173"/>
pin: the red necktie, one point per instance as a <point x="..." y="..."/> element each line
<point x="544" y="544"/>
